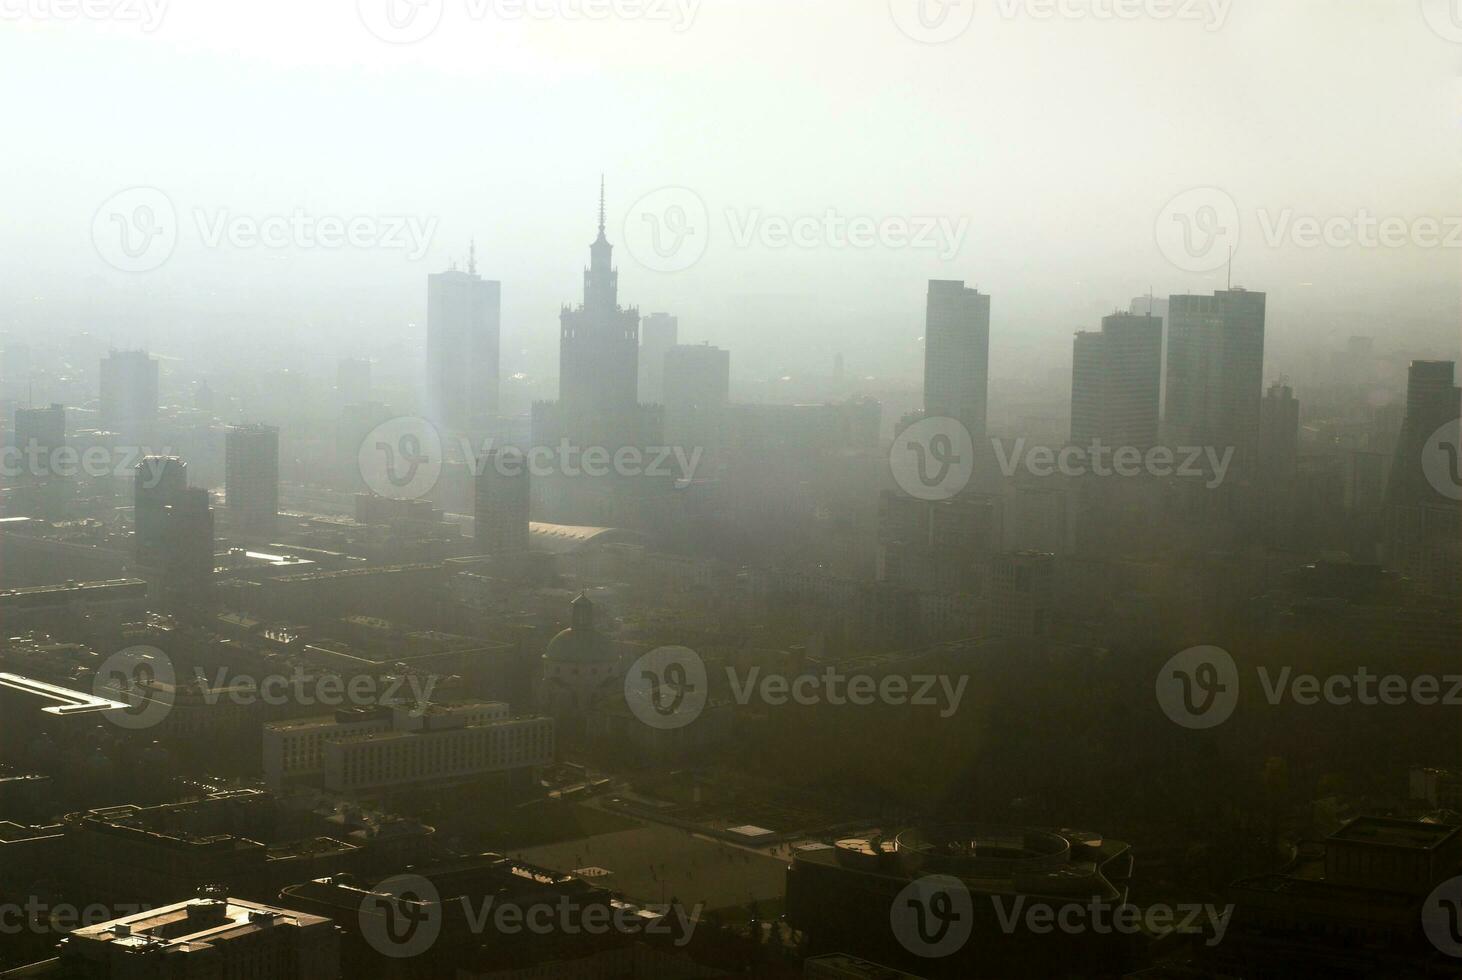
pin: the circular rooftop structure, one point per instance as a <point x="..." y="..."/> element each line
<point x="581" y="643"/>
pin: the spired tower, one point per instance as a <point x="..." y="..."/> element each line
<point x="599" y="341"/>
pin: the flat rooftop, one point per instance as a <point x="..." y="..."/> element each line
<point x="193" y="925"/>
<point x="1385" y="832"/>
<point x="64" y="700"/>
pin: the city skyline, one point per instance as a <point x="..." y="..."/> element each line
<point x="988" y="503"/>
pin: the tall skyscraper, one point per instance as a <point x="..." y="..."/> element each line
<point x="957" y="355"/>
<point x="1115" y="383"/>
<point x="1278" y="500"/>
<point x="599" y="346"/>
<point x="128" y="393"/>
<point x="45" y="427"/>
<point x="1279" y="434"/>
<point x="463" y="334"/>
<point x="1156" y="306"/>
<point x="1216" y="373"/>
<point x="173" y="525"/>
<point x="43" y="486"/>
<point x="658" y="333"/>
<point x="1424" y="522"/>
<point x="697" y="394"/>
<point x="157" y="482"/>
<point x="1022" y="594"/>
<point x="251" y="476"/>
<point x="502" y="497"/>
<point x="1432" y="400"/>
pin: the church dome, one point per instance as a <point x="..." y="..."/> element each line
<point x="581" y="643"/>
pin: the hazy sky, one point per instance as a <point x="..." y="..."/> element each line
<point x="1049" y="146"/>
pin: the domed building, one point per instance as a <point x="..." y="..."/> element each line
<point x="579" y="666"/>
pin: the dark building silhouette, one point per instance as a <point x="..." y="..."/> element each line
<point x="43" y="427"/>
<point x="1279" y="434"/>
<point x="1116" y="381"/>
<point x="957" y="355"/>
<point x="1424" y="534"/>
<point x="848" y="898"/>
<point x="502" y="495"/>
<point x="599" y="341"/>
<point x="173" y="525"/>
<point x="1216" y="372"/>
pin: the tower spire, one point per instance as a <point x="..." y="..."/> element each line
<point x="601" y="205"/>
<point x="472" y="257"/>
